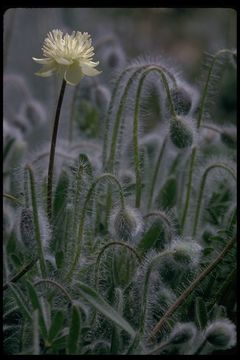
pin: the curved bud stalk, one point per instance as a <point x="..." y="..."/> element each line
<point x="88" y="197"/>
<point x="202" y="187"/>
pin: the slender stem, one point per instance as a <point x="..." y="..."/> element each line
<point x="162" y="216"/>
<point x="83" y="215"/>
<point x="156" y="171"/>
<point x="200" y="347"/>
<point x="201" y="190"/>
<point x="52" y="150"/>
<point x="59" y="286"/>
<point x="199" y="123"/>
<point x="20" y="273"/>
<point x="113" y="243"/>
<point x="36" y="223"/>
<point x="189" y="187"/>
<point x="213" y="128"/>
<point x="13" y="198"/>
<point x="107" y="118"/>
<point x="191" y="288"/>
<point x="136" y="122"/>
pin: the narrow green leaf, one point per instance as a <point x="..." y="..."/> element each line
<point x="151" y="236"/>
<point x="60" y="193"/>
<point x="72" y="343"/>
<point x="7" y="148"/>
<point x="56" y="325"/>
<point x="36" y="341"/>
<point x="102" y="306"/>
<point x="167" y="196"/>
<point x="18" y="297"/>
<point x="37" y="305"/>
<point x="201" y="315"/>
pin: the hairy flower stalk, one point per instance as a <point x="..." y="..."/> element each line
<point x="70" y="56"/>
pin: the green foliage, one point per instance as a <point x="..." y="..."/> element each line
<point x="142" y="237"/>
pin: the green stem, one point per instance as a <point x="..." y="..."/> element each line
<point x="189" y="187"/>
<point x="13" y="198"/>
<point x="146" y="287"/>
<point x="52" y="150"/>
<point x="201" y="190"/>
<point x="109" y="112"/>
<point x="206" y="88"/>
<point x="56" y="284"/>
<point x="36" y="223"/>
<point x="156" y="171"/>
<point x="83" y="215"/>
<point x="162" y="216"/>
<point x="112" y="243"/>
<point x="20" y="273"/>
<point x="136" y="122"/>
<point x="191" y="288"/>
<point x="199" y="122"/>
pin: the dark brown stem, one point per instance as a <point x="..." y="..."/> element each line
<point x="52" y="151"/>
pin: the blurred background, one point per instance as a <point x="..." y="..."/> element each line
<point x="119" y="36"/>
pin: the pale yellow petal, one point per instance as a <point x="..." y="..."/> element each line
<point x="89" y="71"/>
<point x="73" y="74"/>
<point x="63" y="61"/>
<point x="46" y="70"/>
<point x="43" y="61"/>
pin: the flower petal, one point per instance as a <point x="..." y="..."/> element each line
<point x="46" y="70"/>
<point x="43" y="61"/>
<point x="63" y="61"/>
<point x="89" y="71"/>
<point x="73" y="74"/>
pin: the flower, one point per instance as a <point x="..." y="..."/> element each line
<point x="70" y="56"/>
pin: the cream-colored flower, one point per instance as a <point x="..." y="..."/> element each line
<point x="70" y="56"/>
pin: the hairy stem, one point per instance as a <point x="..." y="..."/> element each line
<point x="83" y="215"/>
<point x="201" y="190"/>
<point x="156" y="171"/>
<point x="36" y="223"/>
<point x="52" y="150"/>
<point x="191" y="288"/>
<point x="56" y="284"/>
<point x="22" y="272"/>
<point x="112" y="243"/>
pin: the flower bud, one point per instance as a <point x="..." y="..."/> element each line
<point x="221" y="334"/>
<point x="181" y="132"/>
<point x="182" y="333"/>
<point x="186" y="252"/>
<point x="126" y="224"/>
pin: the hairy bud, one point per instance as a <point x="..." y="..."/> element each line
<point x="182" y="101"/>
<point x="182" y="333"/>
<point x="27" y="228"/>
<point x="221" y="334"/>
<point x="181" y="132"/>
<point x="126" y="224"/>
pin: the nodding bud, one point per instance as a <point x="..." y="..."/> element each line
<point x="181" y="132"/>
<point x="27" y="228"/>
<point x="115" y="57"/>
<point x="126" y="223"/>
<point x="229" y="138"/>
<point x="182" y="333"/>
<point x="186" y="252"/>
<point x="182" y="101"/>
<point x="221" y="334"/>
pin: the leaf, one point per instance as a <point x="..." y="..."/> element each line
<point x="102" y="306"/>
<point x="151" y="236"/>
<point x="18" y="297"/>
<point x="60" y="193"/>
<point x="74" y="331"/>
<point x="7" y="148"/>
<point x="167" y="196"/>
<point x="37" y="305"/>
<point x="201" y="315"/>
<point x="56" y="325"/>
